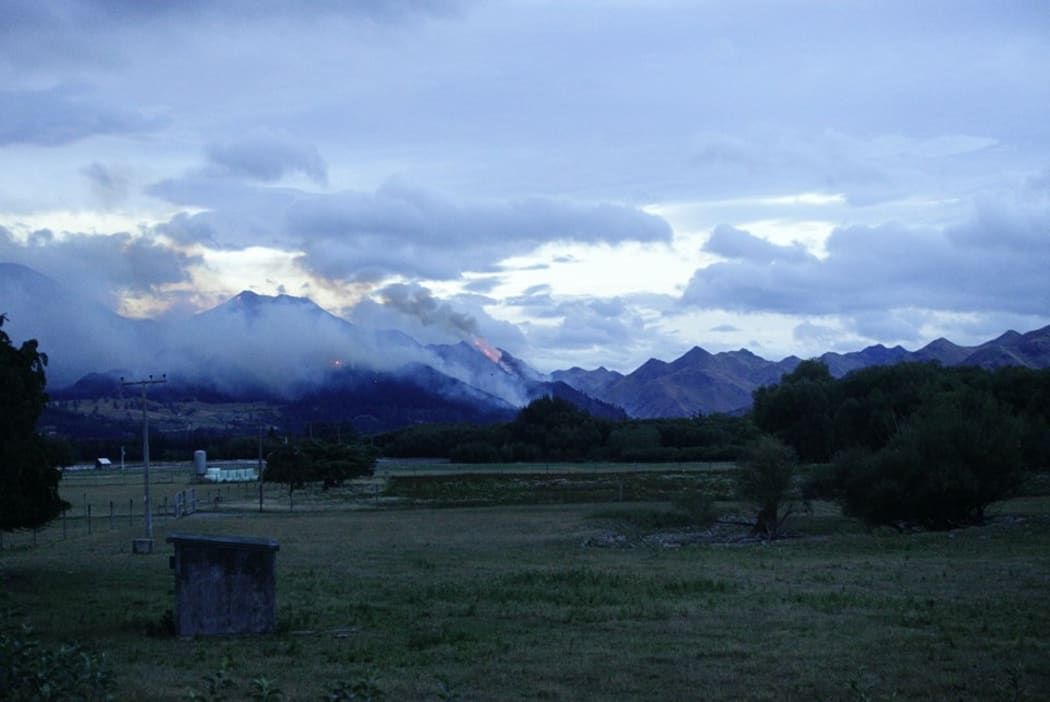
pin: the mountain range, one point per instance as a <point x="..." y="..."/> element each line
<point x="703" y="382"/>
<point x="290" y="351"/>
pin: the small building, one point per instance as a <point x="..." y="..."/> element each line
<point x="101" y="463"/>
<point x="224" y="585"/>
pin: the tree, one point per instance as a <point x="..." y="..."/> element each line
<point x="959" y="453"/>
<point x="798" y="411"/>
<point x="28" y="482"/>
<point x="766" y="477"/>
<point x="561" y="430"/>
<point x="304" y="462"/>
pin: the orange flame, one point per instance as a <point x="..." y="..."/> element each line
<point x="491" y="353"/>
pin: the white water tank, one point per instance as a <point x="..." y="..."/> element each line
<point x="200" y="463"/>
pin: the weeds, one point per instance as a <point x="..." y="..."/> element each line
<point x="363" y="689"/>
<point x="31" y="672"/>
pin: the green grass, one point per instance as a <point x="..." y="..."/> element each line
<point x="507" y="601"/>
<point x="476" y="489"/>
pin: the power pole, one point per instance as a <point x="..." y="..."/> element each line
<point x="260" y="468"/>
<point x="146" y="545"/>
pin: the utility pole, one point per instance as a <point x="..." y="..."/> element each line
<point x="260" y="468"/>
<point x="145" y="545"/>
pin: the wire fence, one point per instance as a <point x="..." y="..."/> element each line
<point x="111" y="500"/>
<point x="87" y="518"/>
<point x="89" y="515"/>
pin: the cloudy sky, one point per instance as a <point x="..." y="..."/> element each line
<point x="583" y="183"/>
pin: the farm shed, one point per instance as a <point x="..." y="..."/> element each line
<point x="224" y="584"/>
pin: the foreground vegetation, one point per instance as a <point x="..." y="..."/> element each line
<point x="564" y="601"/>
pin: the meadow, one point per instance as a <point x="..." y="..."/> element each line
<point x="539" y="583"/>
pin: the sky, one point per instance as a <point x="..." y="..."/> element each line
<point x="581" y="183"/>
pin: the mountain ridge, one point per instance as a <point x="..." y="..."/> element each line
<point x="702" y="382"/>
<point x="287" y="347"/>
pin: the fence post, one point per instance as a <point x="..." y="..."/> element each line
<point x="131" y="511"/>
<point x="89" y="518"/>
<point x="165" y="507"/>
<point x="64" y="524"/>
<point x="111" y="515"/>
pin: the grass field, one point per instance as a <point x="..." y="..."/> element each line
<point x="453" y="592"/>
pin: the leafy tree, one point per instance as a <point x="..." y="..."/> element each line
<point x="871" y="405"/>
<point x="562" y="430"/>
<point x="28" y="482"/>
<point x="958" y="454"/>
<point x="304" y="462"/>
<point x="798" y="411"/>
<point x="766" y="477"/>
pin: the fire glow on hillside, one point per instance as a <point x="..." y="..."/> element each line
<point x="491" y="353"/>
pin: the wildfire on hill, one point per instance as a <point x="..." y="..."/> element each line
<point x="491" y="353"/>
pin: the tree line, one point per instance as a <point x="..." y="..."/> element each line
<point x="553" y="429"/>
<point x="914" y="444"/>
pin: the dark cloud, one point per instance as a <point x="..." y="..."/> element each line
<point x="729" y="242"/>
<point x="996" y="227"/>
<point x="414" y="232"/>
<point x="64" y="114"/>
<point x="396" y="230"/>
<point x="991" y="264"/>
<point x="415" y="311"/>
<point x="267" y="157"/>
<point x="66" y="25"/>
<point x="101" y="266"/>
<point x="417" y="302"/>
<point x="189" y="229"/>
<point x="483" y="285"/>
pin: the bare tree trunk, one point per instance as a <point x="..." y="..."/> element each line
<point x="766" y="523"/>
